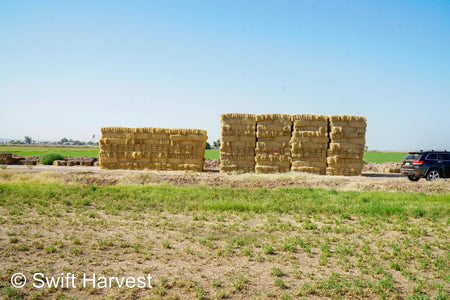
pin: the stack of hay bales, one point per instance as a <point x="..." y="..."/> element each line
<point x="134" y="148"/>
<point x="6" y="158"/>
<point x="152" y="148"/>
<point x="187" y="149"/>
<point x="273" y="153"/>
<point x="347" y="142"/>
<point x="309" y="143"/>
<point x="237" y="142"/>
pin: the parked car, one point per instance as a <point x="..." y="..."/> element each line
<point x="431" y="165"/>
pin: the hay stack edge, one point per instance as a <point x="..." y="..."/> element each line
<point x="152" y="148"/>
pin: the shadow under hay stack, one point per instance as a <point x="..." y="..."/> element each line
<point x="237" y="142"/>
<point x="347" y="142"/>
<point x="152" y="148"/>
<point x="309" y="143"/>
<point x="273" y="134"/>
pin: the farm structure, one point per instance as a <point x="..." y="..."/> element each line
<point x="152" y="148"/>
<point x="332" y="145"/>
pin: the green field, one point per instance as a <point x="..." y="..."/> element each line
<point x="75" y="151"/>
<point x="32" y="150"/>
<point x="201" y="242"/>
<point x="381" y="157"/>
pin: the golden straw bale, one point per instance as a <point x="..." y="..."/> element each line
<point x="347" y="118"/>
<point x="244" y="116"/>
<point x="271" y="117"/>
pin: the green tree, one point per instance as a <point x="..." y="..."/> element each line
<point x="28" y="140"/>
<point x="208" y="146"/>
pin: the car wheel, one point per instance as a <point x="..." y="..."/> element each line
<point x="433" y="174"/>
<point x="413" y="178"/>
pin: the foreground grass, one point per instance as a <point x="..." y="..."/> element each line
<point x="206" y="242"/>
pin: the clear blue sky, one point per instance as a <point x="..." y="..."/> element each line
<point x="67" y="68"/>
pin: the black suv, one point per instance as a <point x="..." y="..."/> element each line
<point x="429" y="164"/>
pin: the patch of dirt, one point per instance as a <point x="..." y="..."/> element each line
<point x="211" y="164"/>
<point x="369" y="181"/>
<point x="381" y="168"/>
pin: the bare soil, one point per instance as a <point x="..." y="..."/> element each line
<point x="372" y="178"/>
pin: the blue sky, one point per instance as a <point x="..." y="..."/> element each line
<point x="67" y="68"/>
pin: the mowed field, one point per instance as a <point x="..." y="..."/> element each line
<point x="201" y="242"/>
<point x="76" y="151"/>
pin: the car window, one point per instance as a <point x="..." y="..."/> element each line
<point x="444" y="156"/>
<point x="413" y="156"/>
<point x="432" y="156"/>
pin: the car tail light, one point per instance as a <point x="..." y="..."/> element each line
<point x="417" y="162"/>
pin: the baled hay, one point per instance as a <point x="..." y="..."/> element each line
<point x="345" y="146"/>
<point x="187" y="137"/>
<point x="309" y="118"/>
<point x="271" y="117"/>
<point x="319" y="131"/>
<point x="351" y="141"/>
<point x="238" y="127"/>
<point x="341" y="129"/>
<point x="346" y="152"/>
<point x="264" y="134"/>
<point x="268" y="144"/>
<point x="347" y="136"/>
<point x="235" y="168"/>
<point x="312" y="170"/>
<point x="270" y="169"/>
<point x="317" y="164"/>
<point x="304" y="146"/>
<point x="233" y="156"/>
<point x="343" y="172"/>
<point x="298" y="125"/>
<point x="238" y="139"/>
<point x="232" y="132"/>
<point x="239" y="116"/>
<point x="310" y="139"/>
<point x="347" y="118"/>
<point x="152" y="130"/>
<point x="349" y="124"/>
<point x="274" y="127"/>
<point x="241" y="163"/>
<point x="185" y="131"/>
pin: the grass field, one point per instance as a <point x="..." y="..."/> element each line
<point x="381" y="157"/>
<point x="377" y="157"/>
<point x="33" y="150"/>
<point x="207" y="242"/>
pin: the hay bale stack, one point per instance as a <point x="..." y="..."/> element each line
<point x="309" y="143"/>
<point x="152" y="148"/>
<point x="187" y="149"/>
<point x="237" y="142"/>
<point x="273" y="135"/>
<point x="6" y="158"/>
<point x="347" y="142"/>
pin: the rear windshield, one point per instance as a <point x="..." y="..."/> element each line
<point x="413" y="156"/>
